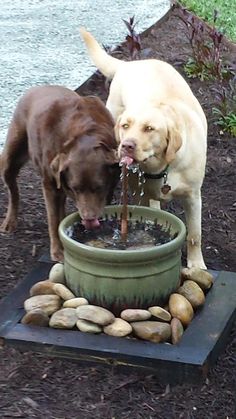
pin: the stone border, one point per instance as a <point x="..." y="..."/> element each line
<point x="189" y="361"/>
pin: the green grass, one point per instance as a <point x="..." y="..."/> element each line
<point x="226" y="21"/>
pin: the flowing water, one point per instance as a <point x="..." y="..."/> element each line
<point x="123" y="232"/>
<point x="40" y="41"/>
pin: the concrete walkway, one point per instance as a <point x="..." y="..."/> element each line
<point x="40" y="41"/>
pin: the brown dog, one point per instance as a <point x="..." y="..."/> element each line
<point x="70" y="140"/>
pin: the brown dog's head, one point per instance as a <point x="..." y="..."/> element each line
<point x="88" y="174"/>
<point x="150" y="137"/>
<point x="87" y="168"/>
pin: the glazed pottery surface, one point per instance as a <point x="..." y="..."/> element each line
<point x="119" y="279"/>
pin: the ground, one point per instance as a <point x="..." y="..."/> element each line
<point x="34" y="386"/>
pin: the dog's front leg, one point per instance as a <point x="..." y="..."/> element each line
<point x="193" y="213"/>
<point x="55" y="204"/>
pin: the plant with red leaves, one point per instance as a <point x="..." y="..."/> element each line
<point x="206" y="62"/>
<point x="133" y="39"/>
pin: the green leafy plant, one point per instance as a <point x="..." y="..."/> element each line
<point x="226" y="110"/>
<point x="226" y="18"/>
<point x="193" y="69"/>
<point x="205" y="41"/>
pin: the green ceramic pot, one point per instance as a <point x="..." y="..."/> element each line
<point x="119" y="279"/>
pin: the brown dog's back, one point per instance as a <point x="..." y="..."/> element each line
<point x="70" y="139"/>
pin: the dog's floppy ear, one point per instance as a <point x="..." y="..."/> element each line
<point x="174" y="143"/>
<point x="174" y="140"/>
<point x="57" y="165"/>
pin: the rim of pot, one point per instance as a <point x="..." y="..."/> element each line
<point x="143" y="253"/>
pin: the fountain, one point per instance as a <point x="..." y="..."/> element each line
<point x="116" y="278"/>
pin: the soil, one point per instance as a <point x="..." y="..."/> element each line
<point x="35" y="386"/>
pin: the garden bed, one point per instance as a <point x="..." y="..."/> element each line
<point x="35" y="386"/>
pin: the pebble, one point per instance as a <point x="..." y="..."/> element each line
<point x="95" y="314"/>
<point x="42" y="287"/>
<point x="135" y="314"/>
<point x="193" y="293"/>
<point x="63" y="292"/>
<point x="48" y="303"/>
<point x="181" y="308"/>
<point x="75" y="302"/>
<point x="36" y="317"/>
<point x="118" y="327"/>
<point x="88" y="327"/>
<point x="203" y="278"/>
<point x="160" y="313"/>
<point x="153" y="331"/>
<point x="65" y="318"/>
<point x="57" y="273"/>
<point x="177" y="330"/>
<point x="166" y="307"/>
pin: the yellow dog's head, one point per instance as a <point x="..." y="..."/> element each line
<point x="149" y="136"/>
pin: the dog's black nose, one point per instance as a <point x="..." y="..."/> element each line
<point x="128" y="146"/>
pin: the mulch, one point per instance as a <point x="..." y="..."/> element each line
<point x="35" y="386"/>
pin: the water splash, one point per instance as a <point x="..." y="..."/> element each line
<point x="135" y="169"/>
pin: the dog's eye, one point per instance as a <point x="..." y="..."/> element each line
<point x="125" y="126"/>
<point x="148" y="128"/>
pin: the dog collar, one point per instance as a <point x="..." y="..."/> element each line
<point x="160" y="175"/>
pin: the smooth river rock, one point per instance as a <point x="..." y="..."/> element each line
<point x="75" y="302"/>
<point x="152" y="330"/>
<point x="63" y="292"/>
<point x="65" y="318"/>
<point x="42" y="287"/>
<point x="88" y="327"/>
<point x="95" y="314"/>
<point x="118" y="327"/>
<point x="135" y="314"/>
<point x="177" y="330"/>
<point x="48" y="303"/>
<point x="203" y="278"/>
<point x="160" y="313"/>
<point x="57" y="273"/>
<point x="193" y="293"/>
<point x="181" y="308"/>
<point x="36" y="317"/>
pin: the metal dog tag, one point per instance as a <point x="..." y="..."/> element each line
<point x="165" y="188"/>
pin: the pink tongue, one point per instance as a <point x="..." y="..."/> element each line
<point x="127" y="160"/>
<point x="90" y="224"/>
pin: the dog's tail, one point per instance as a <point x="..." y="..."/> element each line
<point x="103" y="61"/>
